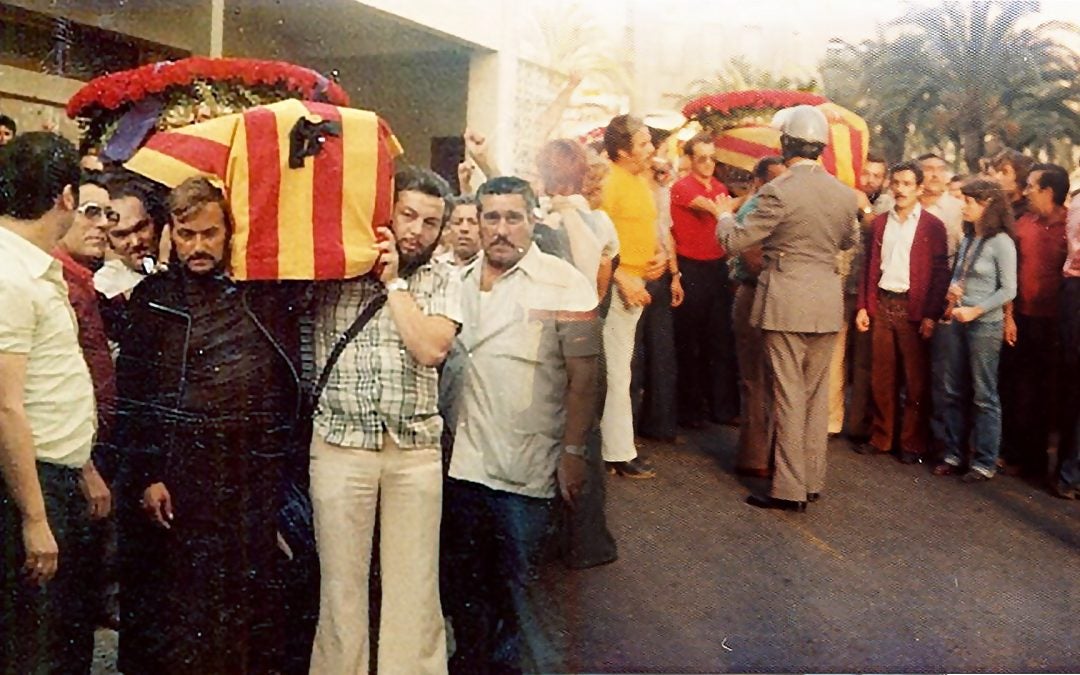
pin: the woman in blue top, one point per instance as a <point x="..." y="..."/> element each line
<point x="984" y="279"/>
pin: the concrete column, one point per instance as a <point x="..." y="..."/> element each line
<point x="217" y="27"/>
<point x="492" y="103"/>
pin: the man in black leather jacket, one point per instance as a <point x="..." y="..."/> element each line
<point x="209" y="381"/>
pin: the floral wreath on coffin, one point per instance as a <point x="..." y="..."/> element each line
<point x="119" y="111"/>
<point x="722" y="111"/>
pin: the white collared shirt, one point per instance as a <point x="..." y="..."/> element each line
<point x="512" y="349"/>
<point x="896" y="251"/>
<point x="950" y="211"/>
<point x="115" y="278"/>
<point x="36" y="319"/>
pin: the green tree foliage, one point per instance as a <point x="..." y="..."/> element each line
<point x="738" y="74"/>
<point x="968" y="76"/>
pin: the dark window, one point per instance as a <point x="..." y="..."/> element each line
<point x="58" y="46"/>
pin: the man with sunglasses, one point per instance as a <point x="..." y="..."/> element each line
<point x="703" y="335"/>
<point x="80" y="251"/>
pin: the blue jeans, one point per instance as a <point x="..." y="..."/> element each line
<point x="503" y="621"/>
<point x="972" y="352"/>
<point x="943" y="350"/>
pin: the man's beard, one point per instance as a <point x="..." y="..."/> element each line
<point x="410" y="262"/>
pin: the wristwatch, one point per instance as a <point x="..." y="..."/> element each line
<point x="397" y="284"/>
<point x="575" y="450"/>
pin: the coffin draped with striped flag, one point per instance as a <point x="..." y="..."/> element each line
<point x="309" y="223"/>
<point x="843" y="157"/>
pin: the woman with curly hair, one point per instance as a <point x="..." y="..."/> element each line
<point x="984" y="279"/>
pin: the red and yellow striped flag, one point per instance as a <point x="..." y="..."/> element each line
<point x="843" y="157"/>
<point x="309" y="223"/>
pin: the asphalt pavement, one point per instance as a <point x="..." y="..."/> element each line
<point x="893" y="570"/>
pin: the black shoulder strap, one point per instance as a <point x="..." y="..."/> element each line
<point x="373" y="306"/>
<point x="969" y="258"/>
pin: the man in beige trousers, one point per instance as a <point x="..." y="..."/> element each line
<point x="803" y="219"/>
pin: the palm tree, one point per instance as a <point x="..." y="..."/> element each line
<point x="567" y="36"/>
<point x="963" y="75"/>
<point x="738" y="74"/>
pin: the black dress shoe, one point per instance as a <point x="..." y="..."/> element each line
<point x="869" y="449"/>
<point x="767" y="502"/>
<point x="812" y="497"/>
<point x="906" y="457"/>
<point x="635" y="468"/>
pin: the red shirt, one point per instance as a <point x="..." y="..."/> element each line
<point x="95" y="346"/>
<point x="1040" y="252"/>
<point x="694" y="230"/>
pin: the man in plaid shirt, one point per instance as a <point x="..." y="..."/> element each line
<point x="376" y="442"/>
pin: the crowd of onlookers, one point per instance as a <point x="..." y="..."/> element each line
<point x="960" y="330"/>
<point x="240" y="444"/>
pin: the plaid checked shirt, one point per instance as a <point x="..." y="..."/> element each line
<point x="377" y="385"/>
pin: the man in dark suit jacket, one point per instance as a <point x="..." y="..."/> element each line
<point x="901" y="297"/>
<point x="803" y="220"/>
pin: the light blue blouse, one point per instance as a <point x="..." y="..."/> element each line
<point x="991" y="278"/>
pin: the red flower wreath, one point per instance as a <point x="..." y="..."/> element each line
<point x="756" y="99"/>
<point x="113" y="91"/>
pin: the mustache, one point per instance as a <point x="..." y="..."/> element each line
<point x="201" y="256"/>
<point x="502" y="240"/>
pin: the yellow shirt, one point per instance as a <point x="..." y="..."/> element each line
<point x="629" y="202"/>
<point x="37" y="320"/>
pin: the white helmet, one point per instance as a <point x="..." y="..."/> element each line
<point x="804" y="122"/>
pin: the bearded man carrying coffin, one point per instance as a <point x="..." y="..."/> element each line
<point x="209" y="397"/>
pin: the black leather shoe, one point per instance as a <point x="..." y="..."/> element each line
<point x="868" y="449"/>
<point x="906" y="457"/>
<point x="635" y="468"/>
<point x="767" y="502"/>
<point x="812" y="497"/>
